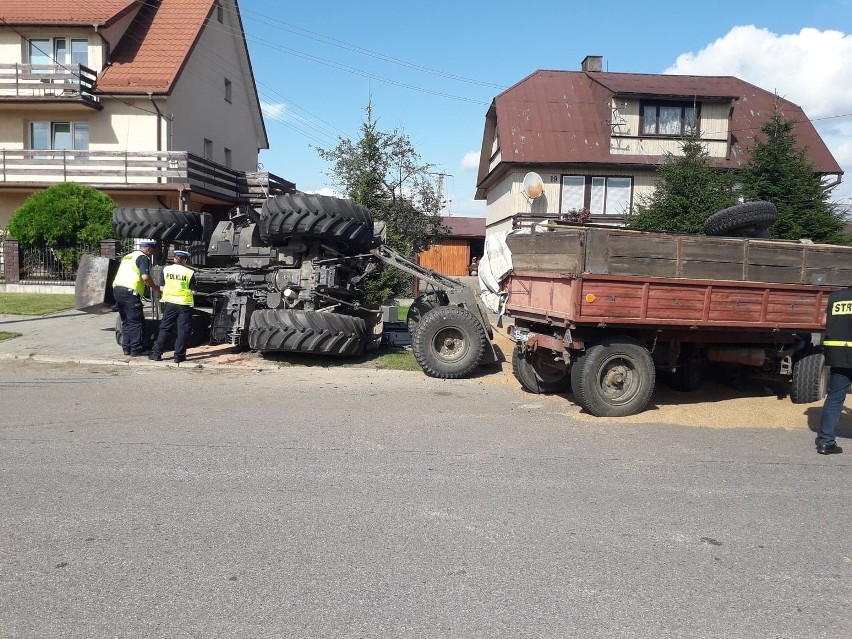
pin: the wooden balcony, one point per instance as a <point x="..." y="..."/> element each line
<point x="124" y="169"/>
<point x="48" y="83"/>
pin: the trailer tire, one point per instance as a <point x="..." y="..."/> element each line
<point x="810" y="378"/>
<point x="157" y="224"/>
<point x="449" y="342"/>
<point x="536" y="377"/>
<point x="614" y="378"/>
<point x="318" y="216"/>
<point x="689" y="375"/>
<point x="307" y="332"/>
<point x="749" y="219"/>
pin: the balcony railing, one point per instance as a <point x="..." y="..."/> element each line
<point x="27" y="82"/>
<point x="106" y="168"/>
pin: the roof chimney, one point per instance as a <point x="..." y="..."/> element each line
<point x="592" y="63"/>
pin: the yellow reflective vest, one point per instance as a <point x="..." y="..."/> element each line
<point x="176" y="289"/>
<point x="128" y="274"/>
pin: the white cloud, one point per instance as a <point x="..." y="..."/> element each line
<point x="273" y="109"/>
<point x="470" y="162"/>
<point x="811" y="68"/>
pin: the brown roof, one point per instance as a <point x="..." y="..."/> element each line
<point x="63" y="12"/>
<point x="562" y="117"/>
<point x="465" y="226"/>
<point x="152" y="53"/>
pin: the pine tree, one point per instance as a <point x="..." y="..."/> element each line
<point x="780" y="172"/>
<point x="687" y="190"/>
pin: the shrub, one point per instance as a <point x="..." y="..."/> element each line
<point x="64" y="214"/>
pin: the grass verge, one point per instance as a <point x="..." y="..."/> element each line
<point x="34" y="303"/>
<point x="7" y="335"/>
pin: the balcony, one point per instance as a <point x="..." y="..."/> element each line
<point x="121" y="169"/>
<point x="48" y="83"/>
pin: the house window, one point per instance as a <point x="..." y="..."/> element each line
<point x="208" y="149"/>
<point x="59" y="136"/>
<point x="598" y="194"/>
<point x="58" y="51"/>
<point x="227" y="90"/>
<point x="228" y="157"/>
<point x="669" y="118"/>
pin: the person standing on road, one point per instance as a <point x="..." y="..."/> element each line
<point x="837" y="345"/>
<point x="128" y="287"/>
<point x="178" y="299"/>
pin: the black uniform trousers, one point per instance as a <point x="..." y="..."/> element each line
<point x="179" y="315"/>
<point x="132" y="318"/>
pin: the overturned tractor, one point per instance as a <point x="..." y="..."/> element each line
<point x="292" y="278"/>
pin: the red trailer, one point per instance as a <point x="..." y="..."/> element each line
<point x="602" y="310"/>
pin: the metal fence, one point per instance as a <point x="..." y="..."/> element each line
<point x="54" y="265"/>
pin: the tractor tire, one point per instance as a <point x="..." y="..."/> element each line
<point x="449" y="342"/>
<point x="330" y="334"/>
<point x="157" y="224"/>
<point x="422" y="305"/>
<point x="316" y="216"/>
<point x="750" y="219"/>
<point x="810" y="378"/>
<point x="536" y="375"/>
<point x="614" y="378"/>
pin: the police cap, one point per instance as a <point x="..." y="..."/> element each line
<point x="147" y="244"/>
<point x="183" y="254"/>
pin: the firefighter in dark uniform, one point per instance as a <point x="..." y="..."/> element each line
<point x="128" y="287"/>
<point x="178" y="299"/>
<point x="837" y="345"/>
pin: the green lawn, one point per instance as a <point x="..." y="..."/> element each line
<point x="7" y="335"/>
<point x="34" y="303"/>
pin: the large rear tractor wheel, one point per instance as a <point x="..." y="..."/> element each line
<point x="307" y="332"/>
<point x="614" y="378"/>
<point x="540" y="374"/>
<point x="316" y="216"/>
<point x="810" y="378"/>
<point x="157" y="224"/>
<point x="449" y="342"/>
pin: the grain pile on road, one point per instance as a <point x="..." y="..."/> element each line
<point x="715" y="405"/>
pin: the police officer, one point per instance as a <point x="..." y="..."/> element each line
<point x="127" y="288"/>
<point x="178" y="299"/>
<point x="837" y="345"/>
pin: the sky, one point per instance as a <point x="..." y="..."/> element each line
<point x="431" y="69"/>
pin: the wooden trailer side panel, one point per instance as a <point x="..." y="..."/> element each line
<point x="603" y="299"/>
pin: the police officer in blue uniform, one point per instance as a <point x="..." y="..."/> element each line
<point x="837" y="346"/>
<point x="128" y="287"/>
<point x="178" y="300"/>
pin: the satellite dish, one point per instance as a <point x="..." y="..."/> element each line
<point x="533" y="185"/>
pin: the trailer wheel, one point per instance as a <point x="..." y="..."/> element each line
<point x="319" y="216"/>
<point x="749" y="219"/>
<point x="538" y="375"/>
<point x="449" y="342"/>
<point x="307" y="332"/>
<point x="688" y="376"/>
<point x="157" y="224"/>
<point x="614" y="378"/>
<point x="810" y="378"/>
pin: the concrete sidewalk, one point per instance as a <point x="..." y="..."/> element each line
<point x="84" y="338"/>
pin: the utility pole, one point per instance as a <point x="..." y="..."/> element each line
<point x="441" y="177"/>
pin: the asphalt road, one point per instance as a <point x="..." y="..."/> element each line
<point x="310" y="502"/>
